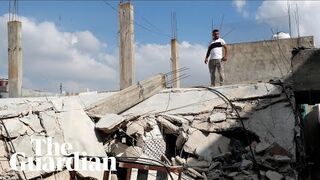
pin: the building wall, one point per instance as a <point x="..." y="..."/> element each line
<point x="262" y="60"/>
<point x="305" y="65"/>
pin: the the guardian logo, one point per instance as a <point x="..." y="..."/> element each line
<point x="60" y="158"/>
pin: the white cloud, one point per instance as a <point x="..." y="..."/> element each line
<point x="51" y="56"/>
<point x="275" y="13"/>
<point x="240" y="6"/>
<point x="79" y="60"/>
<point x="155" y="58"/>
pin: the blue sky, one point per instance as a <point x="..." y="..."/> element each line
<point x="194" y="19"/>
<point x="76" y="42"/>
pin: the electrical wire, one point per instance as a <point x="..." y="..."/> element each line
<point x="138" y="24"/>
<point x="221" y="95"/>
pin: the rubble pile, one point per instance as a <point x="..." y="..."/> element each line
<point x="194" y="128"/>
<point x="211" y="143"/>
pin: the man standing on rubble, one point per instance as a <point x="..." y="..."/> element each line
<point x="217" y="57"/>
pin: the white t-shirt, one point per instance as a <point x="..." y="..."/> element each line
<point x="216" y="48"/>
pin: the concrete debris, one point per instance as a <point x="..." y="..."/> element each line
<point x="280" y="158"/>
<point x="206" y="147"/>
<point x="203" y="134"/>
<point x="181" y="139"/>
<point x="109" y="122"/>
<point x="217" y="117"/>
<point x="15" y="128"/>
<point x="206" y="126"/>
<point x="136" y="127"/>
<point x="180" y="161"/>
<point x="14" y="110"/>
<point x="116" y="148"/>
<point x="193" y="162"/>
<point x="42" y="106"/>
<point x="272" y="175"/>
<point x="168" y="126"/>
<point x="175" y="119"/>
<point x="261" y="147"/>
<point x="245" y="164"/>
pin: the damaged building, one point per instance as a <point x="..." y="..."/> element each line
<point x="244" y="131"/>
<point x="260" y="125"/>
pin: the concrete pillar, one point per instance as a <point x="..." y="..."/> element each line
<point x="126" y="52"/>
<point x="175" y="63"/>
<point x="14" y="59"/>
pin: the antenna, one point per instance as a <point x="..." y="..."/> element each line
<point x="212" y="24"/>
<point x="289" y="16"/>
<point x="221" y="23"/>
<point x="13" y="10"/>
<point x="297" y="19"/>
<point x="174" y="30"/>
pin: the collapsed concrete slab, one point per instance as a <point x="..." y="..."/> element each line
<point x="199" y="100"/>
<point x="173" y="122"/>
<point x="274" y="124"/>
<point x="68" y="125"/>
<point x="109" y="122"/>
<point x="206" y="146"/>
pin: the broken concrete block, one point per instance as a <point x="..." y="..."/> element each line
<point x="15" y="128"/>
<point x="109" y="122"/>
<point x="189" y="118"/>
<point x="79" y="131"/>
<point x="276" y="149"/>
<point x="214" y="127"/>
<point x="181" y="139"/>
<point x="168" y="126"/>
<point x="137" y="127"/>
<point x="281" y="158"/>
<point x="180" y="160"/>
<point x="279" y="130"/>
<point x="116" y="148"/>
<point x="232" y="174"/>
<point x="261" y="147"/>
<point x="33" y="122"/>
<point x="217" y="117"/>
<point x="14" y="110"/>
<point x="175" y="119"/>
<point x="208" y="146"/>
<point x="43" y="106"/>
<point x="23" y="144"/>
<point x="245" y="164"/>
<point x="272" y="175"/>
<point x="193" y="162"/>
